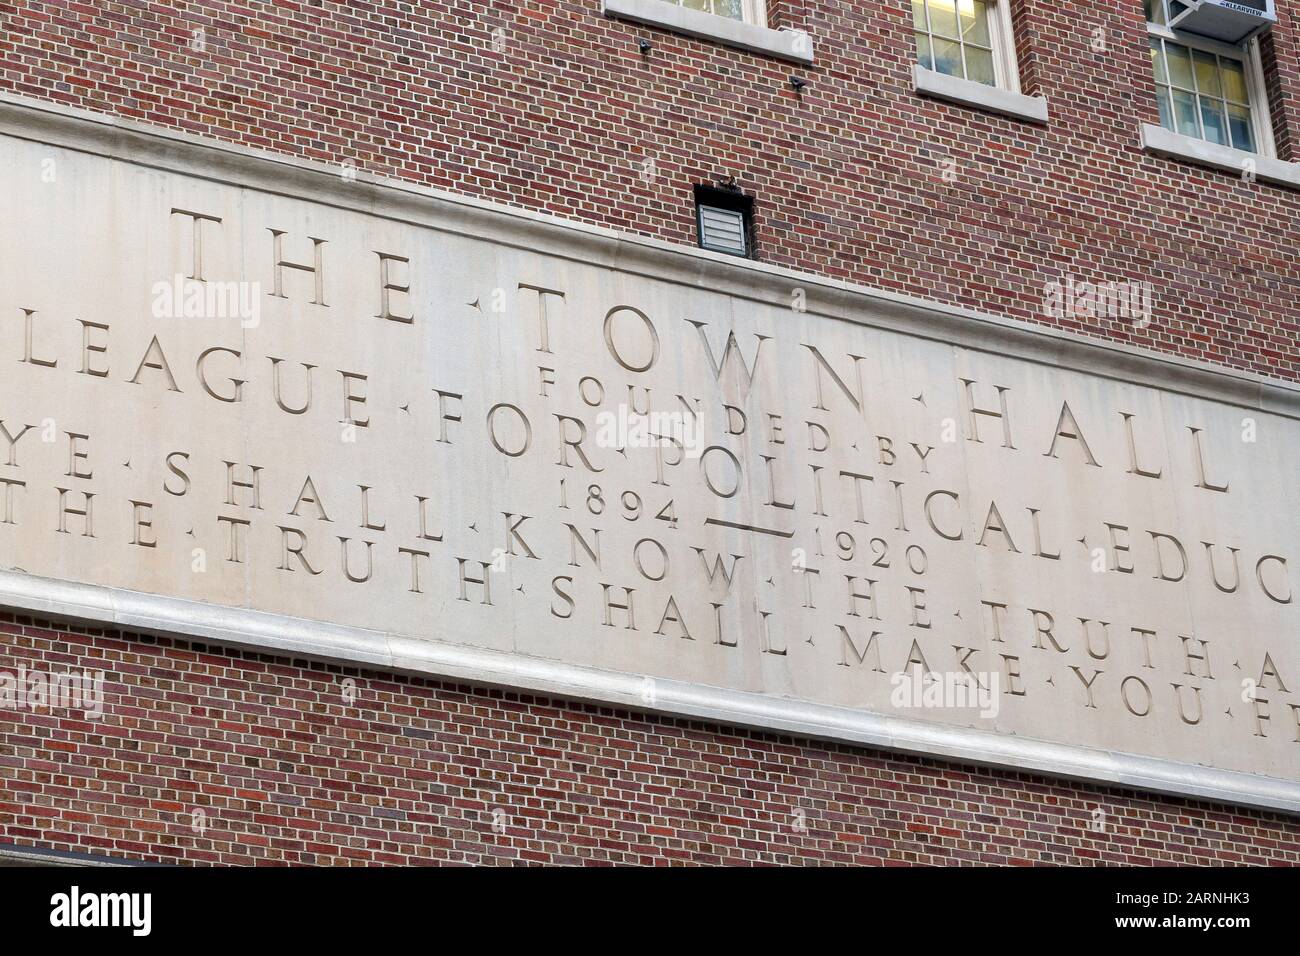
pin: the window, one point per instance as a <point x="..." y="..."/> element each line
<point x="966" y="53"/>
<point x="1206" y="89"/>
<point x="968" y="39"/>
<point x="724" y="217"/>
<point x="750" y="11"/>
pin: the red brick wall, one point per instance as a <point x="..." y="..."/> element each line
<point x="848" y="175"/>
<point x="285" y="769"/>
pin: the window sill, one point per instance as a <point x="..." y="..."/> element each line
<point x="1158" y="140"/>
<point x="794" y="45"/>
<point x="969" y="93"/>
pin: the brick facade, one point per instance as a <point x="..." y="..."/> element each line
<point x="848" y="180"/>
<point x="286" y="769"/>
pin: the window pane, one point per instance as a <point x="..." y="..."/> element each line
<point x="975" y="21"/>
<point x="1234" y="81"/>
<point x="1155" y="10"/>
<point x="1166" y="112"/>
<point x="918" y="15"/>
<point x="943" y="18"/>
<point x="704" y="5"/>
<point x="979" y="66"/>
<point x="1207" y="73"/>
<point x="1213" y="122"/>
<point x="1185" y="113"/>
<point x="947" y="56"/>
<point x="1180" y="65"/>
<point x="1158" y="62"/>
<point x="923" y="51"/>
<point x="1243" y="137"/>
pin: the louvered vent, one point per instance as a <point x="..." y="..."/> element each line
<point x="723" y="230"/>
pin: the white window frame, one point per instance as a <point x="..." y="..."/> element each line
<point x="1005" y="66"/>
<point x="1002" y="40"/>
<point x="1248" y="52"/>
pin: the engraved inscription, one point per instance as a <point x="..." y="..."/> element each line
<point x="442" y="437"/>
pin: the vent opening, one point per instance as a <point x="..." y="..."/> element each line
<point x="724" y="218"/>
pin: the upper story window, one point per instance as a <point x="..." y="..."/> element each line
<point x="750" y="11"/>
<point x="968" y="39"/>
<point x="1207" y="89"/>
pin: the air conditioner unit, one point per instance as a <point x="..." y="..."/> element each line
<point x="1232" y="21"/>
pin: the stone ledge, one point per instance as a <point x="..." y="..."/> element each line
<point x="1163" y="142"/>
<point x="969" y="93"/>
<point x="794" y="45"/>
